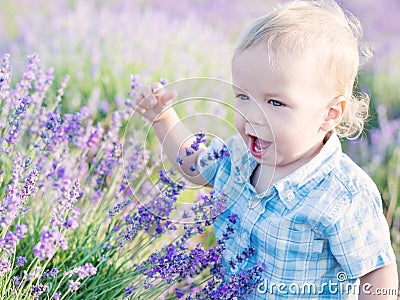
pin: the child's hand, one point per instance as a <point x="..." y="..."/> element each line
<point x="152" y="100"/>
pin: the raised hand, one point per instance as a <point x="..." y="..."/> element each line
<point x="152" y="101"/>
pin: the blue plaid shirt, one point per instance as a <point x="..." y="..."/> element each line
<point x="317" y="230"/>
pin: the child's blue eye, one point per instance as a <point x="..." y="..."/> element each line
<point x="243" y="97"/>
<point x="275" y="102"/>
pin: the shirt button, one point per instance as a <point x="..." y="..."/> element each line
<point x="254" y="203"/>
<point x="245" y="236"/>
<point x="289" y="195"/>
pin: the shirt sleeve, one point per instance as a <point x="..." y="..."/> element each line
<point x="210" y="160"/>
<point x="359" y="236"/>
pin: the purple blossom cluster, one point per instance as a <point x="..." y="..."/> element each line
<point x="57" y="129"/>
<point x="16" y="198"/>
<point x="239" y="285"/>
<point x="37" y="290"/>
<point x="15" y="128"/>
<point x="5" y="265"/>
<point x="64" y="148"/>
<point x="136" y="162"/>
<point x="200" y="138"/>
<point x="153" y="217"/>
<point x="5" y="80"/>
<point x="21" y="261"/>
<point x="49" y="240"/>
<point x="216" y="155"/>
<point x="110" y="160"/>
<point x="9" y="242"/>
<point x="18" y="100"/>
<point x="83" y="272"/>
<point x="178" y="262"/>
<point x="71" y="192"/>
<point x="209" y="207"/>
<point x="51" y="273"/>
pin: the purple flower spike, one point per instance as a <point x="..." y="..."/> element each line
<point x="179" y="293"/>
<point x="73" y="285"/>
<point x="5" y="266"/>
<point x="21" y="261"/>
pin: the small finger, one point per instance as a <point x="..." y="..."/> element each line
<point x="139" y="109"/>
<point x="157" y="88"/>
<point x="148" y="99"/>
<point x="167" y="96"/>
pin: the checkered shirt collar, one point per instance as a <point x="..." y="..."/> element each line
<point x="303" y="179"/>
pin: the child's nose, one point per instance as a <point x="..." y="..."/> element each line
<point x="255" y="114"/>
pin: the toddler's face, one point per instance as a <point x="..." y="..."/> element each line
<point x="279" y="110"/>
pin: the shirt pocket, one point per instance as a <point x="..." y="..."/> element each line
<point x="286" y="251"/>
<point x="319" y="248"/>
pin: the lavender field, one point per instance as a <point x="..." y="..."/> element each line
<point x="89" y="206"/>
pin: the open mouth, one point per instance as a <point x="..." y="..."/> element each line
<point x="258" y="146"/>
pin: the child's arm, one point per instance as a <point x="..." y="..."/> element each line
<point x="380" y="283"/>
<point x="152" y="103"/>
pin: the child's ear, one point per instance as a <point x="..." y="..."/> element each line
<point x="334" y="113"/>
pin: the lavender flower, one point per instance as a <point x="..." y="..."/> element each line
<point x="15" y="199"/>
<point x="60" y="91"/>
<point x="95" y="135"/>
<point x="9" y="243"/>
<point x="52" y="273"/>
<point x="20" y="231"/>
<point x="74" y="130"/>
<point x="176" y="262"/>
<point x="119" y="207"/>
<point x="108" y="163"/>
<point x="29" y="187"/>
<point x="200" y="138"/>
<point x="135" y="82"/>
<point x="50" y="238"/>
<point x="217" y="154"/>
<point x="41" y="86"/>
<point x="16" y="280"/>
<point x="82" y="271"/>
<point x="38" y="289"/>
<point x="52" y="132"/>
<point x="86" y="270"/>
<point x="72" y="221"/>
<point x="71" y="192"/>
<point x="240" y="285"/>
<point x="21" y="261"/>
<point x="129" y="290"/>
<point x="179" y="160"/>
<point x="163" y="81"/>
<point x="15" y="120"/>
<point x="57" y="296"/>
<point x="33" y="275"/>
<point x="73" y="285"/>
<point x="5" y="266"/>
<point x="5" y="80"/>
<point x="17" y="103"/>
<point x="179" y="293"/>
<point x="136" y="158"/>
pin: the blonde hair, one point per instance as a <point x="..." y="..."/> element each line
<point x="332" y="35"/>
